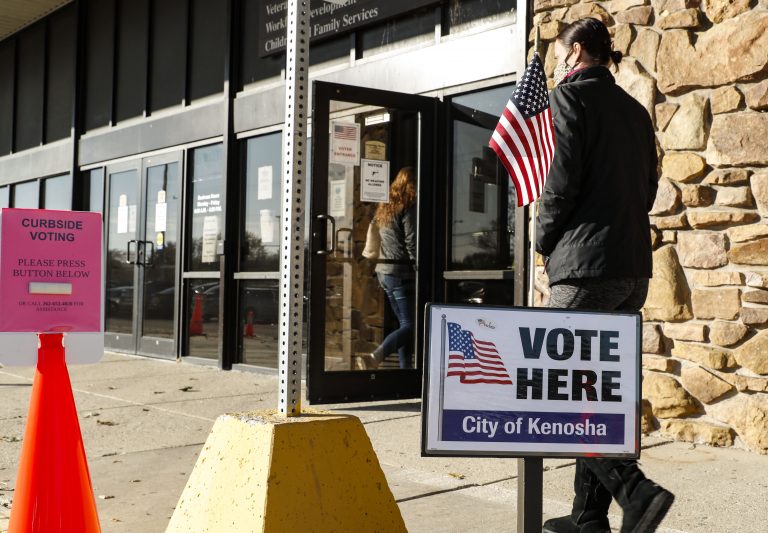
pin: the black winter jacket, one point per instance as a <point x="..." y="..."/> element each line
<point x="593" y="216"/>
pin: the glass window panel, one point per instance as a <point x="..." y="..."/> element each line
<point x="121" y="248"/>
<point x="26" y="195"/>
<point x="466" y="14"/>
<point x="260" y="247"/>
<point x="482" y="229"/>
<point x="206" y="195"/>
<point x="4" y="197"/>
<point x="202" y="324"/>
<point x="416" y="28"/>
<point x="57" y="193"/>
<point x="259" y="329"/>
<point x="93" y="190"/>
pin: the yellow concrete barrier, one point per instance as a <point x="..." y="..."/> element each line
<point x="261" y="472"/>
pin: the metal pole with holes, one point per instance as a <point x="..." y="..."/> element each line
<point x="292" y="214"/>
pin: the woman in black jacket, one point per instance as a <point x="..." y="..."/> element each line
<point x="593" y="229"/>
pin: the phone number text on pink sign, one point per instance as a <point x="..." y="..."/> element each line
<point x="50" y="271"/>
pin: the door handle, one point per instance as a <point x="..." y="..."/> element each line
<point x="128" y="252"/>
<point x="332" y="220"/>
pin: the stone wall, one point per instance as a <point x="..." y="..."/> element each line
<point x="701" y="70"/>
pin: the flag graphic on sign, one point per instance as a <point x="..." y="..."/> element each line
<point x="345" y="131"/>
<point x="473" y="360"/>
<point x="524" y="138"/>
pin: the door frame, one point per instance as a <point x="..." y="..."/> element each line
<point x="368" y="385"/>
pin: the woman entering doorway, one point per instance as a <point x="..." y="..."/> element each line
<point x="395" y="268"/>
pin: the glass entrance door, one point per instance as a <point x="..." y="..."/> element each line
<point x="142" y="256"/>
<point x="372" y="175"/>
<point x="485" y="262"/>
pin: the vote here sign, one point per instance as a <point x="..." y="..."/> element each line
<point x="50" y="278"/>
<point x="528" y="381"/>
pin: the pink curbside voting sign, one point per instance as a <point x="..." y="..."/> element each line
<point x="50" y="279"/>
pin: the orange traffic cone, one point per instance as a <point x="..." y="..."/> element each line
<point x="249" y="323"/>
<point x="196" y="322"/>
<point x="53" y="491"/>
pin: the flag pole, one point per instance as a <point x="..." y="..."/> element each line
<point x="530" y="470"/>
<point x="532" y="215"/>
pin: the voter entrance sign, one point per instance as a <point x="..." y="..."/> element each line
<point x="531" y="382"/>
<point x="50" y="282"/>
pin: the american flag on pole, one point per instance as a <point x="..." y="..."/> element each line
<point x="524" y="138"/>
<point x="473" y="360"/>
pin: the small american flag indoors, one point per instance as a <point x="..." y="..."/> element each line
<point x="472" y="360"/>
<point x="524" y="138"/>
<point x="344" y="131"/>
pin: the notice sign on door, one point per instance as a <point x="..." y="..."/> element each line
<point x="210" y="238"/>
<point x="536" y="382"/>
<point x="50" y="280"/>
<point x="374" y="181"/>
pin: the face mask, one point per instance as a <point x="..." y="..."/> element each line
<point x="562" y="70"/>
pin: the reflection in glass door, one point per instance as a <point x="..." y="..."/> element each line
<point x="142" y="259"/>
<point x="485" y="255"/>
<point x="159" y="265"/>
<point x="259" y="273"/>
<point x="369" y="165"/>
<point x="370" y="300"/>
<point x="204" y="244"/>
<point x="121" y="259"/>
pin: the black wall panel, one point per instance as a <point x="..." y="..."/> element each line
<point x="207" y="47"/>
<point x="29" y="84"/>
<point x="253" y="67"/>
<point x="131" y="73"/>
<point x="99" y="56"/>
<point x="6" y="96"/>
<point x="168" y="54"/>
<point x="61" y="74"/>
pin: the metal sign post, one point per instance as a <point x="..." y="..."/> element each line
<point x="294" y="193"/>
<point x="530" y="470"/>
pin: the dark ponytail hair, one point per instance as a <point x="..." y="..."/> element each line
<point x="593" y="37"/>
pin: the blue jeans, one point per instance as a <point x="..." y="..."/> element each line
<point x="401" y="294"/>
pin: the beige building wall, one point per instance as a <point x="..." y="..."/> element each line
<point x="701" y="70"/>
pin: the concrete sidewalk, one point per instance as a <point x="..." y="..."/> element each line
<point x="144" y="422"/>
